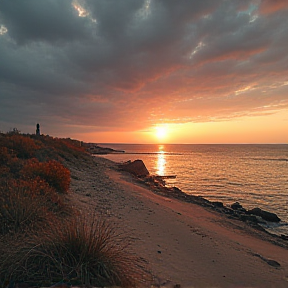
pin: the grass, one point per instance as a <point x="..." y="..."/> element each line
<point x="84" y="251"/>
<point x="19" y="211"/>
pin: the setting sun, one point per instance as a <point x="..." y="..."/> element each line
<point x="161" y="132"/>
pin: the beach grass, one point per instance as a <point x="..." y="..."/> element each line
<point x="78" y="251"/>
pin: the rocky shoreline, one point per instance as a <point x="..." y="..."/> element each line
<point x="253" y="217"/>
<point x="98" y="150"/>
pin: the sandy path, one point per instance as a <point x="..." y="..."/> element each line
<point x="183" y="243"/>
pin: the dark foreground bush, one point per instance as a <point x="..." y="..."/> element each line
<point x="79" y="251"/>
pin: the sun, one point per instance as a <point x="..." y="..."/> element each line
<point x="161" y="132"/>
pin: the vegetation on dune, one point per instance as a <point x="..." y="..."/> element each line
<point x="51" y="172"/>
<point x="31" y="184"/>
<point x="41" y="241"/>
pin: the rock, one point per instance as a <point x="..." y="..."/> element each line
<point x="284" y="237"/>
<point x="229" y="211"/>
<point x="250" y="218"/>
<point x="236" y="206"/>
<point x="268" y="216"/>
<point x="136" y="168"/>
<point x="268" y="261"/>
<point x="273" y="263"/>
<point x="95" y="149"/>
<point x="218" y="204"/>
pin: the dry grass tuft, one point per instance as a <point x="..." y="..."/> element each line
<point x="19" y="211"/>
<point x="80" y="251"/>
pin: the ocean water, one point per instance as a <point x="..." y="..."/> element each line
<point x="254" y="175"/>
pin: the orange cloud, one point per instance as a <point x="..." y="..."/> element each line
<point x="272" y="6"/>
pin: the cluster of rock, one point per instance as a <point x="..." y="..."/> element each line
<point x="95" y="149"/>
<point x="254" y="216"/>
<point x="265" y="215"/>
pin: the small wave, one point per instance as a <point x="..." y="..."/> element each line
<point x="214" y="179"/>
<point x="214" y="185"/>
<point x="153" y="153"/>
<point x="235" y="184"/>
<point x="270" y="159"/>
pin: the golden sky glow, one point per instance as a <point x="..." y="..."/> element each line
<point x="257" y="129"/>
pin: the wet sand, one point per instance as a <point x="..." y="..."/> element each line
<point x="182" y="243"/>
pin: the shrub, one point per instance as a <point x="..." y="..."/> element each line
<point x="82" y="251"/>
<point x="38" y="187"/>
<point x="53" y="172"/>
<point x="23" y="146"/>
<point x="65" y="148"/>
<point x="4" y="155"/>
<point x="9" y="163"/>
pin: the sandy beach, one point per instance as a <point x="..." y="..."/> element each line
<point x="181" y="243"/>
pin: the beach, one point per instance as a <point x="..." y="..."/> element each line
<point x="180" y="243"/>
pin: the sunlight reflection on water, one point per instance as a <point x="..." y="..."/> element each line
<point x="161" y="163"/>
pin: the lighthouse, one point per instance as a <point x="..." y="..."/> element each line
<point x="38" y="129"/>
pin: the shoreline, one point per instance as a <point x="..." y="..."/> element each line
<point x="182" y="243"/>
<point x="268" y="195"/>
<point x="236" y="211"/>
<point x="253" y="217"/>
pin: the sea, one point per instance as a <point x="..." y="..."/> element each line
<point x="255" y="175"/>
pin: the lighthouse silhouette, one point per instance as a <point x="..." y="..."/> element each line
<point x="38" y="129"/>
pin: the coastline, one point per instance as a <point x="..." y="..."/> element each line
<point x="182" y="243"/>
<point x="226" y="173"/>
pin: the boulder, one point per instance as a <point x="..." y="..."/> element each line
<point x="218" y="204"/>
<point x="284" y="237"/>
<point x="236" y="206"/>
<point x="136" y="168"/>
<point x="268" y="216"/>
<point x="250" y="218"/>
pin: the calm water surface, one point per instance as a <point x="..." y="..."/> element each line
<point x="254" y="175"/>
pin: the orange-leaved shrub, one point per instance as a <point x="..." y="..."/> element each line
<point x="65" y="148"/>
<point x="39" y="187"/>
<point x="53" y="172"/>
<point x="5" y="156"/>
<point x="23" y="146"/>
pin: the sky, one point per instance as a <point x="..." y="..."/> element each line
<point x="146" y="71"/>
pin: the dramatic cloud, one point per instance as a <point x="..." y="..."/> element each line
<point x="126" y="64"/>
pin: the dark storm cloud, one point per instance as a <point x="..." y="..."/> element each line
<point x="48" y="20"/>
<point x="123" y="64"/>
